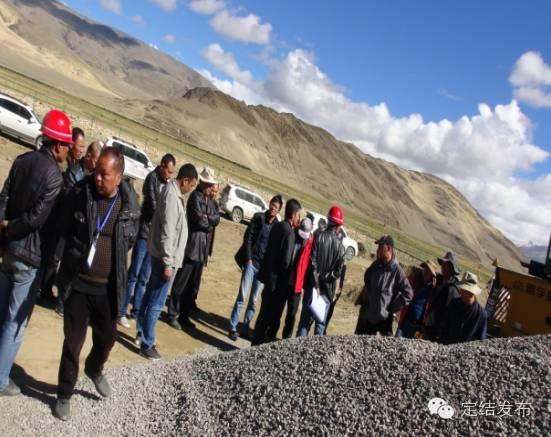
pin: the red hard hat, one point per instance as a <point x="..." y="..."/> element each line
<point x="336" y="215"/>
<point x="57" y="126"/>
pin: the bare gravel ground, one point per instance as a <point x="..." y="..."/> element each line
<point x="314" y="386"/>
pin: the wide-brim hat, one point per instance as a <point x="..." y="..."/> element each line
<point x="450" y="258"/>
<point x="430" y="265"/>
<point x="469" y="282"/>
<point x="207" y="176"/>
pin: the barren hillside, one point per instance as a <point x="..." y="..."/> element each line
<point x="48" y="41"/>
<point x="288" y="149"/>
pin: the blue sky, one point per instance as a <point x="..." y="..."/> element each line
<point x="439" y="60"/>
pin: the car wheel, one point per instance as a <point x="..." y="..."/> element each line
<point x="38" y="142"/>
<point x="237" y="215"/>
<point x="349" y="253"/>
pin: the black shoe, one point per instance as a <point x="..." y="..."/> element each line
<point x="151" y="354"/>
<point x="233" y="335"/>
<point x="59" y="308"/>
<point x="62" y="409"/>
<point x="101" y="384"/>
<point x="246" y="334"/>
<point x="194" y="308"/>
<point x="12" y="389"/>
<point x="187" y="324"/>
<point x="175" y="324"/>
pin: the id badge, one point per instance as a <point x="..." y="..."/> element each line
<point x="91" y="255"/>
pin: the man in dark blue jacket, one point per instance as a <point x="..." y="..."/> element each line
<point x="26" y="201"/>
<point x="248" y="258"/>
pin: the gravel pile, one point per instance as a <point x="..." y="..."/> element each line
<point x="315" y="386"/>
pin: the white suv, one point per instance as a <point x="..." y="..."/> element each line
<point x="18" y="120"/>
<point x="136" y="163"/>
<point x="350" y="245"/>
<point x="241" y="204"/>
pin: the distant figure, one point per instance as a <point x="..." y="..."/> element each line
<point x="249" y="258"/>
<point x="200" y="220"/>
<point x="441" y="298"/>
<point x="140" y="267"/>
<point x="300" y="273"/>
<point x="326" y="265"/>
<point x="465" y="319"/>
<point x="167" y="241"/>
<point x="386" y="291"/>
<point x="99" y="221"/>
<point x="274" y="274"/>
<point x="27" y="199"/>
<point x="91" y="157"/>
<point x="410" y="326"/>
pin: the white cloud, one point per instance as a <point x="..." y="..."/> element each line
<point x="531" y="79"/>
<point x="114" y="6"/>
<point x="248" y="29"/>
<point x="226" y="63"/>
<point x="206" y="7"/>
<point x="481" y="154"/>
<point x="169" y="38"/>
<point x="166" y="5"/>
<point x="138" y="19"/>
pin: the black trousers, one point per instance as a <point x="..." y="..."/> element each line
<point x="363" y="327"/>
<point x="293" y="302"/>
<point x="197" y="276"/>
<point x="271" y="309"/>
<point x="181" y="295"/>
<point x="82" y="310"/>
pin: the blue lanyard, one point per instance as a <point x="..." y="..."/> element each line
<point x="100" y="226"/>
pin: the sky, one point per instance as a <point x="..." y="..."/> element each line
<point x="457" y="89"/>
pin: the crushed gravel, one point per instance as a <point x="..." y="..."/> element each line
<point x="323" y="386"/>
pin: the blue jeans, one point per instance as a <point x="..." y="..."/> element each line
<point x="152" y="304"/>
<point x="306" y="316"/>
<point x="138" y="277"/>
<point x="249" y="282"/>
<point x="16" y="304"/>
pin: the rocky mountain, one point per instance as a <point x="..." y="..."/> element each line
<point x="286" y="148"/>
<point x="48" y="41"/>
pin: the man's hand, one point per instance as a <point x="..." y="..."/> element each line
<point x="167" y="273"/>
<point x="3" y="224"/>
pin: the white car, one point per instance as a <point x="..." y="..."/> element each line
<point x="350" y="245"/>
<point x="136" y="163"/>
<point x="241" y="204"/>
<point x="18" y="120"/>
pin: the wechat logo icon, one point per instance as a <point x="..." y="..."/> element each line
<point x="441" y="408"/>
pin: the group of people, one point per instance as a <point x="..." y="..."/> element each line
<point x="75" y="229"/>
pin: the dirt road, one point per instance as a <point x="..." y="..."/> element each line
<point x="39" y="355"/>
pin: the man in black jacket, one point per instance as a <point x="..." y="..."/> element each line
<point x="53" y="244"/>
<point x="140" y="267"/>
<point x="248" y="258"/>
<point x="99" y="221"/>
<point x="200" y="220"/>
<point x="26" y="201"/>
<point x="327" y="262"/>
<point x="274" y="274"/>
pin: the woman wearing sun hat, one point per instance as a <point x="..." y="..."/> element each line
<point x="465" y="319"/>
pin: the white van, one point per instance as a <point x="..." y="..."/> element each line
<point x="136" y="163"/>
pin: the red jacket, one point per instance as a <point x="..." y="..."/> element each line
<point x="303" y="264"/>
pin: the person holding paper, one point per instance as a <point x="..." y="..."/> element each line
<point x="99" y="222"/>
<point x="327" y="261"/>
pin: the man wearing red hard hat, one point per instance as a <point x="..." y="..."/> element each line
<point x="326" y="263"/>
<point x="28" y="196"/>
